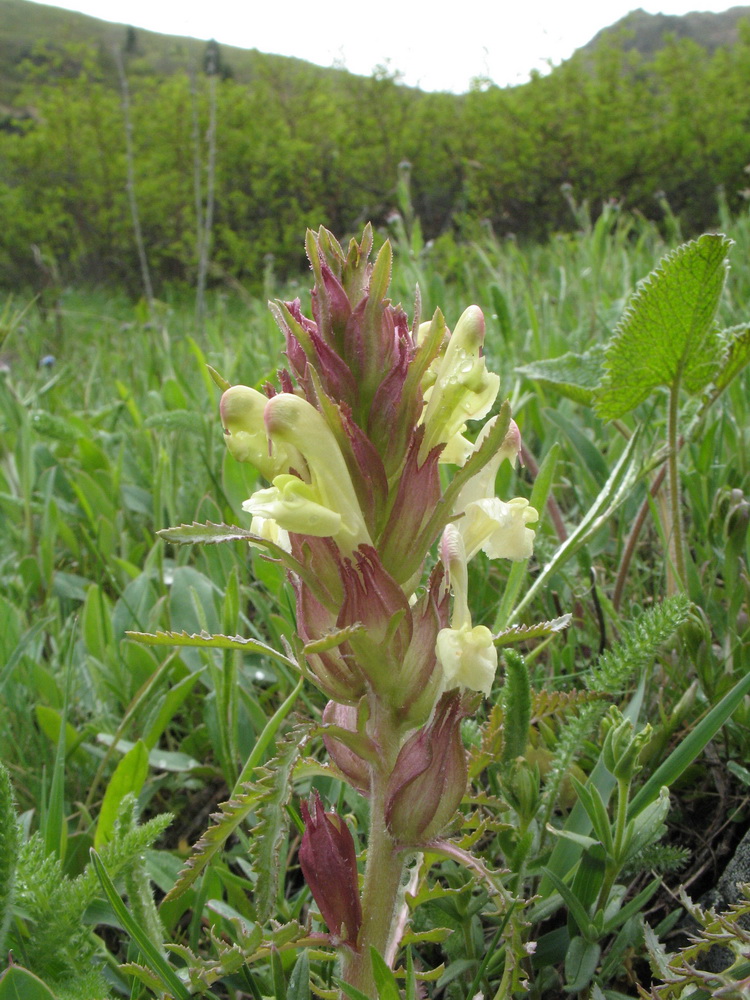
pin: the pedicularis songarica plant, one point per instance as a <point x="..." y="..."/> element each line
<point x="370" y="407"/>
<point x="357" y="442"/>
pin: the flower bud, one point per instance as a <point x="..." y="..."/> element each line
<point x="429" y="778"/>
<point x="329" y="863"/>
<point x="374" y="599"/>
<point x="242" y="410"/>
<point x="291" y="420"/>
<point x="622" y="745"/>
<point x="336" y="674"/>
<point x="464" y="389"/>
<point x="355" y="769"/>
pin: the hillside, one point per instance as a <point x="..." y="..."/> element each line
<point x="25" y="25"/>
<point x="298" y="145"/>
<point x="647" y="33"/>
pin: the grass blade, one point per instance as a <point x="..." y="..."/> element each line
<point x="156" y="962"/>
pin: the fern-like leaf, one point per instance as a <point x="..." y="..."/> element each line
<point x="638" y="645"/>
<point x="540" y="630"/>
<point x="266" y="797"/>
<point x="225" y="822"/>
<point x="269" y="834"/>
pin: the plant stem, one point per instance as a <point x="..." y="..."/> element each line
<point x="382" y="881"/>
<point x="613" y="869"/>
<point x="676" y="534"/>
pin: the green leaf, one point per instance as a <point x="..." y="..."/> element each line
<point x="243" y="800"/>
<point x="736" y="342"/>
<point x="517" y="705"/>
<point x="50" y="720"/>
<point x="685" y="752"/>
<point x="208" y="534"/>
<point x="385" y="981"/>
<point x="576" y="908"/>
<point x="576" y="376"/>
<point x="20" y="984"/>
<point x="269" y="835"/>
<point x="636" y="904"/>
<point x="351" y="991"/>
<point x="299" y="981"/>
<point x="96" y="622"/>
<point x="667" y="335"/>
<point x="588" y="881"/>
<point x="9" y="845"/>
<point x="204" y="640"/>
<point x="580" y="964"/>
<point x="218" y="379"/>
<point x="613" y="493"/>
<point x="540" y="630"/>
<point x="161" y="760"/>
<point x="128" y="779"/>
<point x="153" y="957"/>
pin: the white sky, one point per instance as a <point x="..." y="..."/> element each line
<point x="443" y="49"/>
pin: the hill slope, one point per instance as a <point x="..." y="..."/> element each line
<point x="647" y="33"/>
<point x="25" y="25"/>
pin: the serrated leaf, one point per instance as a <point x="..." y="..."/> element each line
<point x="332" y="639"/>
<point x="668" y="335"/>
<point x="208" y="533"/>
<point x="269" y="835"/>
<point x="576" y="376"/>
<point x="520" y="633"/>
<point x="143" y="974"/>
<point x="736" y="342"/>
<point x="436" y="935"/>
<point x="233" y="812"/>
<point x="205" y="640"/>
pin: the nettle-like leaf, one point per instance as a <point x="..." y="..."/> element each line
<point x="576" y="376"/>
<point x="668" y="336"/>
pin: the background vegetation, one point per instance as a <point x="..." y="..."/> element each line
<point x="546" y="205"/>
<point x="296" y="145"/>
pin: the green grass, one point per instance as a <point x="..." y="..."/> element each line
<point x="120" y="437"/>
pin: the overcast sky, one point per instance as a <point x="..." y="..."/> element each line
<point x="443" y="49"/>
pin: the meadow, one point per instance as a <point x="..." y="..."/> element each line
<point x="110" y="433"/>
